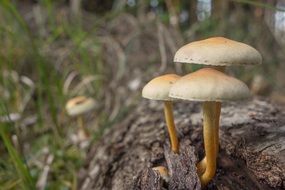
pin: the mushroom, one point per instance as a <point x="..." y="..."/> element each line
<point x="209" y="86"/>
<point x="158" y="89"/>
<point x="76" y="107"/>
<point x="217" y="52"/>
<point x="163" y="172"/>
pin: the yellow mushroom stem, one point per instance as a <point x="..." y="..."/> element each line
<point x="82" y="130"/>
<point x="201" y="166"/>
<point x="217" y="126"/>
<point x="209" y="132"/>
<point x="168" y="112"/>
<point x="219" y="68"/>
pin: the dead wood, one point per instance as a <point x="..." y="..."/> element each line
<point x="252" y="155"/>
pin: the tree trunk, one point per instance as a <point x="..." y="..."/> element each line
<point x="192" y="12"/>
<point x="252" y="149"/>
<point x="220" y="8"/>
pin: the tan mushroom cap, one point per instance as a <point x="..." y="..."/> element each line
<point x="208" y="84"/>
<point x="79" y="105"/>
<point x="163" y="172"/>
<point x="158" y="88"/>
<point x="218" y="51"/>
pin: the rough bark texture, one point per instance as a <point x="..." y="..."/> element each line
<point x="181" y="168"/>
<point x="148" y="179"/>
<point x="252" y="149"/>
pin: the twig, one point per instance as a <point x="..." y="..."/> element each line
<point x="68" y="81"/>
<point x="41" y="183"/>
<point x="85" y="82"/>
<point x="161" y="46"/>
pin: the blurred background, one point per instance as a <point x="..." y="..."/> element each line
<point x="54" y="50"/>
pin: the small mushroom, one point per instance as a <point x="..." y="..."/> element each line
<point x="209" y="86"/>
<point x="163" y="172"/>
<point x="76" y="107"/>
<point x="217" y="53"/>
<point x="158" y="89"/>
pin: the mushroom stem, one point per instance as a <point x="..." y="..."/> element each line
<point x="83" y="133"/>
<point x="171" y="126"/>
<point x="217" y="126"/>
<point x="201" y="166"/>
<point x="209" y="131"/>
<point x="219" y="68"/>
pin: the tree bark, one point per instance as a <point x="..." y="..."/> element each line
<point x="192" y="12"/>
<point x="252" y="149"/>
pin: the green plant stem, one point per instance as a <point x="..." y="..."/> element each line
<point x="23" y="172"/>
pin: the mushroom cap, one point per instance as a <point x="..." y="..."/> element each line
<point x="163" y="172"/>
<point x="158" y="88"/>
<point x="218" y="51"/>
<point x="79" y="105"/>
<point x="208" y="84"/>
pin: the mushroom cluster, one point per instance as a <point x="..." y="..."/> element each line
<point x="209" y="85"/>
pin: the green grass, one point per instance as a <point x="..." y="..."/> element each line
<point x="22" y="52"/>
<point x="26" y="180"/>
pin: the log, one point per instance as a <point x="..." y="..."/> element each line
<point x="182" y="170"/>
<point x="252" y="149"/>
